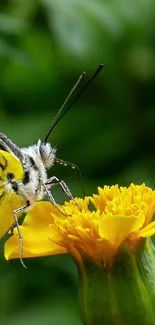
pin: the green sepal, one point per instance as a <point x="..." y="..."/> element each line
<point x="122" y="295"/>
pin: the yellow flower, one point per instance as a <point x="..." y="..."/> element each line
<point x="94" y="228"/>
<point x="9" y="200"/>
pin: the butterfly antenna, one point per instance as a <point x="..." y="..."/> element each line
<point x="73" y="166"/>
<point x="63" y="105"/>
<point x="58" y="118"/>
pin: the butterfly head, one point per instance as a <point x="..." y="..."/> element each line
<point x="47" y="153"/>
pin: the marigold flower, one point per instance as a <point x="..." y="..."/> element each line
<point x="119" y="216"/>
<point x="105" y="235"/>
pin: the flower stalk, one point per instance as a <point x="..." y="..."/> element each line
<point x="122" y="295"/>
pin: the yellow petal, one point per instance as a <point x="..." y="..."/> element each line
<point x="55" y="235"/>
<point x="150" y="213"/>
<point x="117" y="228"/>
<point x="147" y="231"/>
<point x="35" y="244"/>
<point x="39" y="216"/>
<point x="10" y="201"/>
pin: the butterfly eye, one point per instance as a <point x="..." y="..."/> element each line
<point x="44" y="151"/>
<point x="47" y="153"/>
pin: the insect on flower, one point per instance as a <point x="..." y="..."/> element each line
<point x="33" y="183"/>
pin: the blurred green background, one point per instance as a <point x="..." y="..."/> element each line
<point x="109" y="133"/>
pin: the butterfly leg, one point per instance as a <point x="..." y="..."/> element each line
<point x="52" y="181"/>
<point x="51" y="198"/>
<point x="22" y="209"/>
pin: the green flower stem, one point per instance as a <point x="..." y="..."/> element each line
<point x="124" y="295"/>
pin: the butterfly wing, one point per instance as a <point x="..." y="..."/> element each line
<point x="7" y="145"/>
<point x="9" y="200"/>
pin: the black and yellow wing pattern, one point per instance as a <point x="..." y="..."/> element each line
<point x="9" y="199"/>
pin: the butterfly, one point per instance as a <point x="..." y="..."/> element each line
<point x="23" y="173"/>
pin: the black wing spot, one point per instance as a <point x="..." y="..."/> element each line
<point x="11" y="179"/>
<point x="32" y="162"/>
<point x="10" y="176"/>
<point x="26" y="177"/>
<point x="14" y="186"/>
<point x="4" y="166"/>
<point x="2" y="195"/>
<point x="5" y="162"/>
